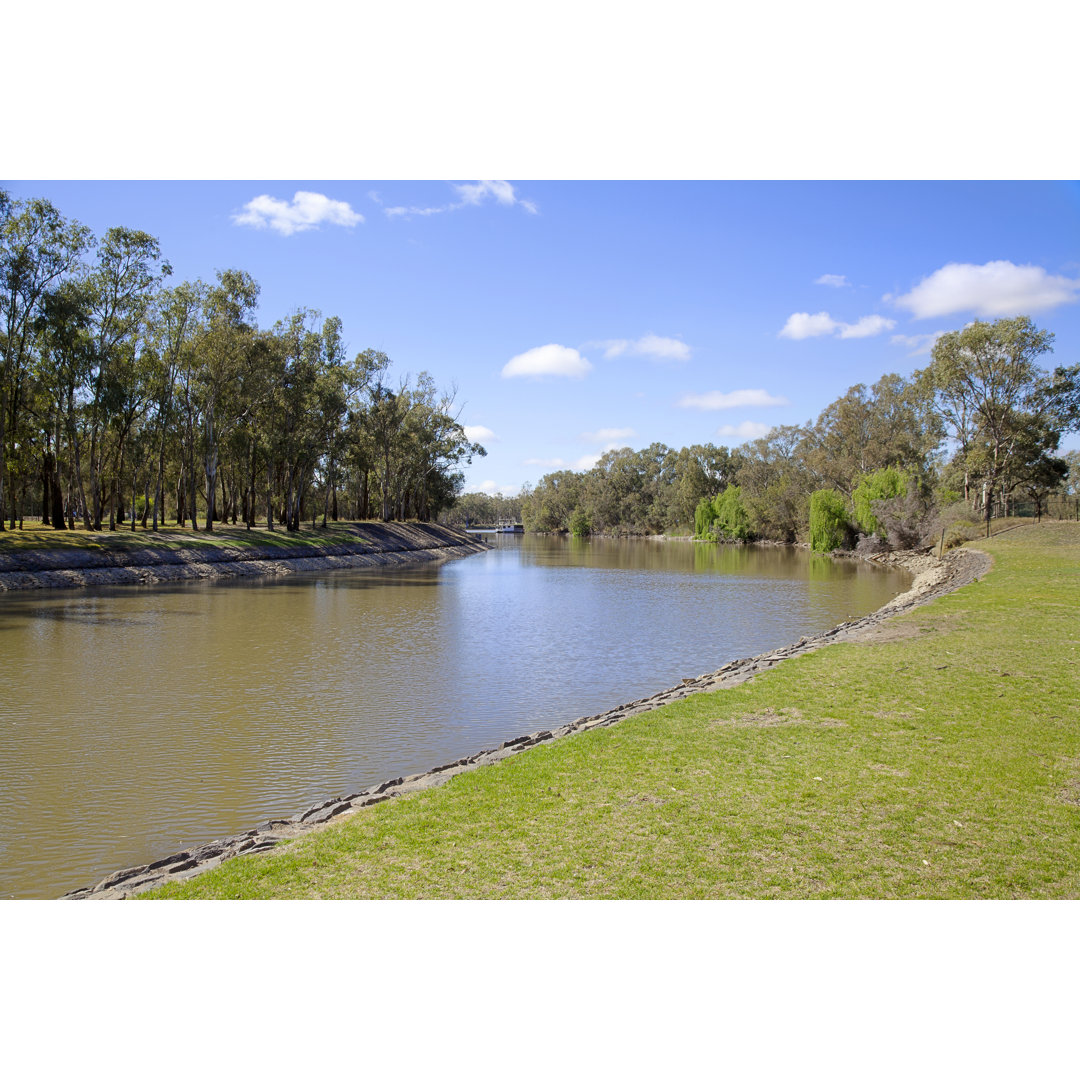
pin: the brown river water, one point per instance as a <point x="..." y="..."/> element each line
<point x="137" y="721"/>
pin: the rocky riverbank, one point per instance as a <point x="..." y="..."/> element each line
<point x="933" y="578"/>
<point x="369" y="544"/>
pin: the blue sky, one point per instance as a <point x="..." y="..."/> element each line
<point x="575" y="316"/>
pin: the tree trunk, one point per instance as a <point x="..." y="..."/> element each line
<point x="146" y="499"/>
<point x="46" y="488"/>
<point x="193" y="511"/>
<point x="57" y="498"/>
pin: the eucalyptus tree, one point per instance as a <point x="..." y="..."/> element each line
<point x="776" y="484"/>
<point x="890" y="425"/>
<point x="385" y="417"/>
<point x="431" y="448"/>
<point x="177" y="326"/>
<point x="65" y="363"/>
<point x="547" y="506"/>
<point x="340" y="389"/>
<point x="121" y="288"/>
<point x="989" y="391"/>
<point x="226" y="337"/>
<point x="38" y="249"/>
<point x="300" y="425"/>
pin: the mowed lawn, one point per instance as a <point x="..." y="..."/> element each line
<point x="942" y="760"/>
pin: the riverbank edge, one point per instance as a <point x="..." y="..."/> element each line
<point x="932" y="578"/>
<point x="390" y="544"/>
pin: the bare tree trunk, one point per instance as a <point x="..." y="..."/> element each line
<point x="269" y="499"/>
<point x="146" y="499"/>
<point x="194" y="505"/>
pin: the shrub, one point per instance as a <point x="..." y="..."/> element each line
<point x="960" y="532"/>
<point x="830" y="526"/>
<point x="871" y="545"/>
<point x="906" y="520"/>
<point x="580" y="525"/>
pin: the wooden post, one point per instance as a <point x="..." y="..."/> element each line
<point x="941" y="550"/>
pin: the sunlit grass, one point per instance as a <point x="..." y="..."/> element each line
<point x="36" y="537"/>
<point x="941" y="762"/>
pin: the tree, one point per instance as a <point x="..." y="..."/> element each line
<point x="121" y="289"/>
<point x="177" y="326"/>
<point x="988" y="390"/>
<point x="227" y="336"/>
<point x="887" y="483"/>
<point x="776" y="483"/>
<point x="892" y="424"/>
<point x="830" y="526"/>
<point x="38" y="248"/>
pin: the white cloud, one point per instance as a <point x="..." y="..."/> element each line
<point x="837" y="281"/>
<point x="585" y="462"/>
<point x="608" y="434"/>
<point x="994" y="289"/>
<point x="744" y="432"/>
<point x="416" y="211"/>
<point x="499" y="190"/>
<point x="735" y="399"/>
<point x="804" y="325"/>
<point x="489" y="487"/>
<point x="651" y="346"/>
<point x="919" y="344"/>
<point x="867" y="326"/>
<point x="477" y="433"/>
<point x="308" y="210"/>
<point x="547" y="360"/>
<point x="475" y="194"/>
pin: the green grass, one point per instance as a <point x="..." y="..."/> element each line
<point x="941" y="761"/>
<point x="37" y="537"/>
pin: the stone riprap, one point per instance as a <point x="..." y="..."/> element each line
<point x="376" y="545"/>
<point x="933" y="578"/>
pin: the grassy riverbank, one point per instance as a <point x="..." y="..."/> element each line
<point x="37" y="537"/>
<point x="940" y="759"/>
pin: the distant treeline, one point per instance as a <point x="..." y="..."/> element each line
<point x="122" y="395"/>
<point x="480" y="508"/>
<point x="979" y="426"/>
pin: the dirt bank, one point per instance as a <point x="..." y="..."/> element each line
<point x="369" y="544"/>
<point x="933" y="578"/>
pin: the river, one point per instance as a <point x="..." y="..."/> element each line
<point x="137" y="721"/>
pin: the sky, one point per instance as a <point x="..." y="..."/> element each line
<point x="572" y="317"/>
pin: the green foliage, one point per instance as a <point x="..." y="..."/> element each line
<point x="704" y="516"/>
<point x="887" y="483"/>
<point x="830" y="526"/>
<point x="724" y="516"/>
<point x="732" y="518"/>
<point x="579" y="522"/>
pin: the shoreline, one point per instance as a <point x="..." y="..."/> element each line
<point x="390" y="544"/>
<point x="932" y="578"/>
